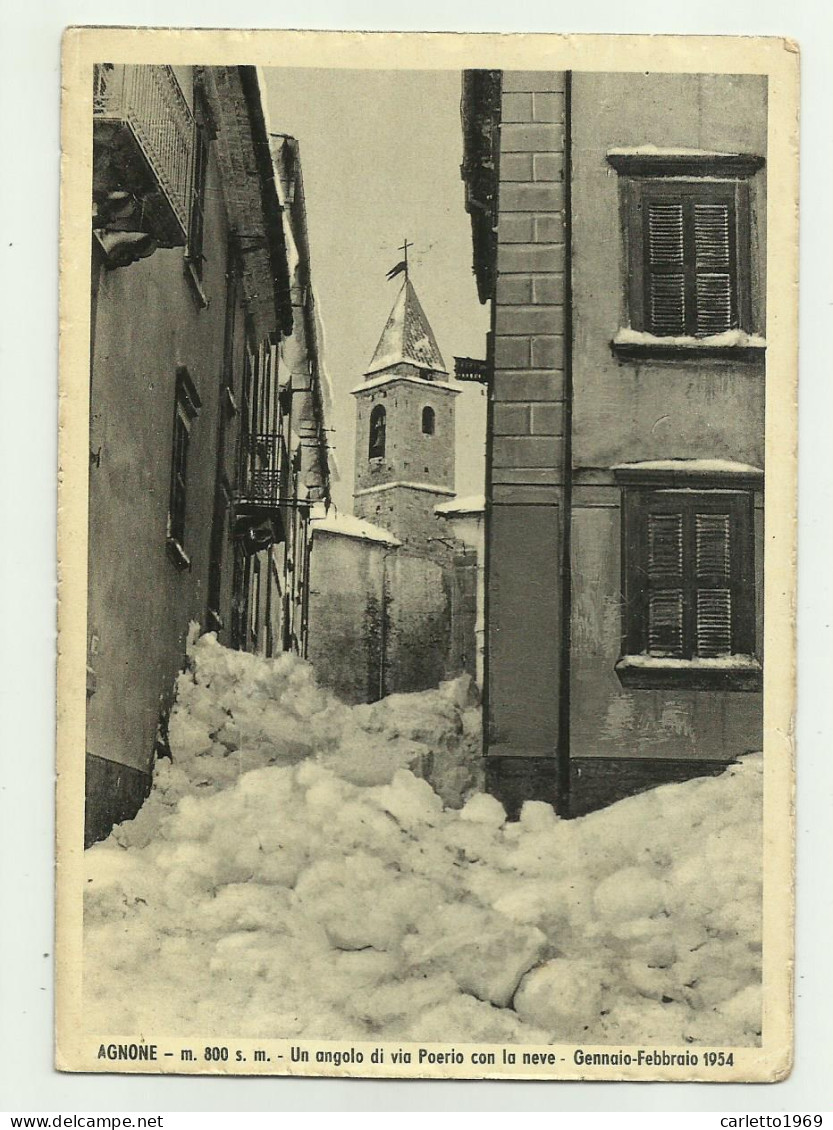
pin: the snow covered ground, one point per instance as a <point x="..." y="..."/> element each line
<point x="290" y="876"/>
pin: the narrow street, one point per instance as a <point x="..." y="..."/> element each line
<point x="293" y="873"/>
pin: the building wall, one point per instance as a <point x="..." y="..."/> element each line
<point x="379" y="619"/>
<point x="140" y="603"/>
<point x="610" y="721"/>
<point x="241" y="569"/>
<point x="620" y="411"/>
<point x="526" y="428"/>
<point x="419" y="635"/>
<point x="408" y="513"/>
<point x="347" y="596"/>
<point x="624" y="410"/>
<point x="627" y="411"/>
<point x="465" y="653"/>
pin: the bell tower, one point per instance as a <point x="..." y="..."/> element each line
<point x="405" y="439"/>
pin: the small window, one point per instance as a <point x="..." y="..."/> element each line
<point x="429" y="420"/>
<point x="376" y="447"/>
<point x="689" y="581"/>
<point x="186" y="409"/>
<point x="194" y="252"/>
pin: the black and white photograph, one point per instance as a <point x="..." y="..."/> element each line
<point x="427" y="504"/>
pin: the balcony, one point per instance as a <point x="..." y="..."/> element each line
<point x="262" y="491"/>
<point x="143" y="132"/>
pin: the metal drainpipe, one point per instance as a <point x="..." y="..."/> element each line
<point x="383" y="626"/>
<point x="563" y="756"/>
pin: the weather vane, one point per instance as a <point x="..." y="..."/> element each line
<point x="402" y="266"/>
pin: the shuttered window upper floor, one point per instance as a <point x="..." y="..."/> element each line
<point x="688" y="255"/>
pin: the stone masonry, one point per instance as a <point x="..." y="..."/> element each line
<point x="527" y="425"/>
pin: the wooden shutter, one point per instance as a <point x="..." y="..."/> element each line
<point x="713" y="580"/>
<point x="689" y="573"/>
<point x="713" y="227"/>
<point x="685" y="278"/>
<point x="665" y="276"/>
<point x="665" y="584"/>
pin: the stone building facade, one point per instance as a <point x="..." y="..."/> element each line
<point x="619" y="230"/>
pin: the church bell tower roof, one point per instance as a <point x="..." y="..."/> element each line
<point x="407" y="338"/>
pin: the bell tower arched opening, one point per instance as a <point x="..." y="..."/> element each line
<point x="378" y="427"/>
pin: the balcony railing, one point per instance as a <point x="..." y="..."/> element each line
<point x="143" y="134"/>
<point x="262" y="489"/>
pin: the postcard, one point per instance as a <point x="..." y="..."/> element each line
<point x="427" y="555"/>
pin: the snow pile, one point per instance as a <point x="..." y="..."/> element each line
<point x="289" y="877"/>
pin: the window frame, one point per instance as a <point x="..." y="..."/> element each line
<point x="204" y="132"/>
<point x="637" y="667"/>
<point x="640" y="193"/>
<point x="429" y="416"/>
<point x="187" y="406"/>
<point x="688" y="175"/>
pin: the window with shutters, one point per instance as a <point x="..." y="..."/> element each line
<point x="688" y="226"/>
<point x="689" y="580"/>
<point x="689" y="259"/>
<point x="186" y="408"/>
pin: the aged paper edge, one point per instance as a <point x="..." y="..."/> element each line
<point x="775" y="57"/>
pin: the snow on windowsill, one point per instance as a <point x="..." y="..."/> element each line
<point x="661" y="151"/>
<point x="669" y="663"/>
<point x="628" y="340"/>
<point x="725" y="673"/>
<point x="690" y="466"/>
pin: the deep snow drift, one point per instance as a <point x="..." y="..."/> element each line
<point x="290" y="876"/>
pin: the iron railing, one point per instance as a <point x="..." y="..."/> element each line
<point x="148" y="99"/>
<point x="263" y="471"/>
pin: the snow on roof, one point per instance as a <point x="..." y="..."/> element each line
<point x="469" y="504"/>
<point x="691" y="466"/>
<point x="349" y="526"/>
<point x="407" y="337"/>
<point x="389" y="378"/>
<point x="431" y="488"/>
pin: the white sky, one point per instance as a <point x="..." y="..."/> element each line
<point x="381" y="153"/>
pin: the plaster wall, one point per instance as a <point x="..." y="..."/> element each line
<point x="148" y="321"/>
<point x="345" y="608"/>
<point x="608" y="720"/>
<point x="628" y="410"/>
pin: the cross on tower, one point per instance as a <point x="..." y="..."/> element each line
<point x="404" y="249"/>
<point x="402" y="266"/>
